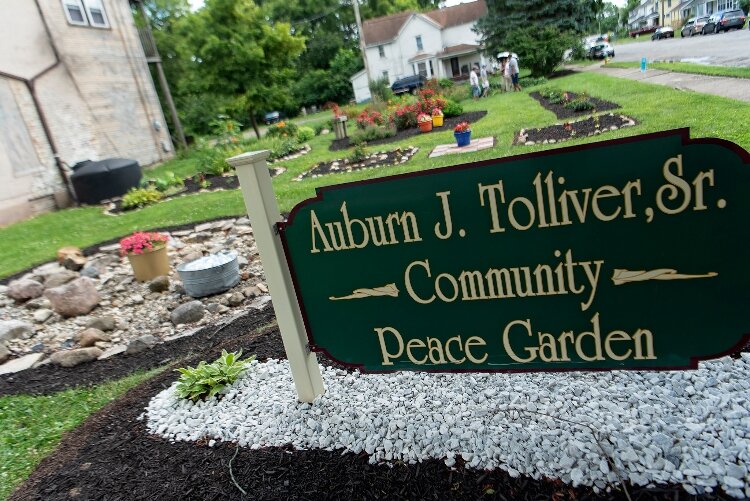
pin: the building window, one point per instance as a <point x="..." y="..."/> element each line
<point x="669" y="3"/>
<point x="381" y="50"/>
<point x="422" y="69"/>
<point x="419" y="42"/>
<point x="86" y="13"/>
<point x="385" y="76"/>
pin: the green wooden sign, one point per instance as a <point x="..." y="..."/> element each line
<point x="613" y="255"/>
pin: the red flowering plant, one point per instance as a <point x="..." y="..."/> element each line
<point x="424" y="117"/>
<point x="437" y="112"/>
<point x="369" y="118"/>
<point x="405" y="117"/>
<point x="462" y="127"/>
<point x="140" y="242"/>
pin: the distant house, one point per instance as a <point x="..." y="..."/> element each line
<point x="74" y="86"/>
<point x="645" y="15"/>
<point x="674" y="13"/>
<point x="439" y="44"/>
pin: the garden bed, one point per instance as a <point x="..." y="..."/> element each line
<point x="558" y="133"/>
<point x="371" y="161"/>
<point x="561" y="111"/>
<point x="448" y="124"/>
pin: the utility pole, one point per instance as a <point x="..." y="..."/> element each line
<point x="361" y="37"/>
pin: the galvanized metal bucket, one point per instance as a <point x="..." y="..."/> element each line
<point x="210" y="274"/>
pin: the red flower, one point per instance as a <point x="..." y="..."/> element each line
<point x="462" y="127"/>
<point x="140" y="242"/>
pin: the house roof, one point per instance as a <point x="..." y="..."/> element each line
<point x="453" y="50"/>
<point x="384" y="29"/>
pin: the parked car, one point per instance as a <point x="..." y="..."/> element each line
<point x="642" y="31"/>
<point x="724" y="21"/>
<point x="663" y="32"/>
<point x="699" y="24"/>
<point x="272" y="117"/>
<point x="687" y="29"/>
<point x="408" y="84"/>
<point x="601" y="50"/>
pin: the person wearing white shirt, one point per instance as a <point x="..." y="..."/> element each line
<point x="513" y="65"/>
<point x="474" y="82"/>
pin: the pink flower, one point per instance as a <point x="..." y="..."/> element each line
<point x="140" y="242"/>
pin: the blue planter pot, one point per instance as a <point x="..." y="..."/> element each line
<point x="462" y="138"/>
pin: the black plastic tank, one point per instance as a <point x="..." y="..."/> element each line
<point x="105" y="179"/>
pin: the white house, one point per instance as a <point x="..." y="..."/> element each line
<point x="439" y="44"/>
<point x="74" y="85"/>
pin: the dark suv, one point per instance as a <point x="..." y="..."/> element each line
<point x="408" y="84"/>
<point x="725" y="21"/>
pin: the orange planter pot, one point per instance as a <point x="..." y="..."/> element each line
<point x="425" y="126"/>
<point x="150" y="265"/>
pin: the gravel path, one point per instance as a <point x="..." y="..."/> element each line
<point x="690" y="428"/>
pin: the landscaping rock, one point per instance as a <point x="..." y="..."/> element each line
<point x="91" y="336"/>
<point x="24" y="289"/>
<point x="40" y="303"/>
<point x="61" y="278"/>
<point x="4" y="353"/>
<point x="14" y="329"/>
<point x="251" y="291"/>
<point x="236" y="299"/>
<point x="159" y="284"/>
<point x="78" y="297"/>
<point x="71" y="358"/>
<point x="71" y="258"/>
<point x="112" y="351"/>
<point x="104" y="323"/>
<point x="90" y="271"/>
<point x="20" y="364"/>
<point x="48" y="269"/>
<point x="143" y="343"/>
<point x="41" y="316"/>
<point x="188" y="313"/>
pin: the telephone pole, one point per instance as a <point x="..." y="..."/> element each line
<point x="361" y="37"/>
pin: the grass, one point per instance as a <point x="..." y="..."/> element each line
<point x="628" y="39"/>
<point x="698" y="69"/>
<point x="33" y="425"/>
<point x="657" y="108"/>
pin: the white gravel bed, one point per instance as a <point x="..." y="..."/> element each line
<point x="690" y="428"/>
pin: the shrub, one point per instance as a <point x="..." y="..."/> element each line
<point x="456" y="93"/>
<point x="358" y="154"/>
<point x="446" y="83"/>
<point x="452" y="108"/>
<point x="581" y="103"/>
<point x="141" y="197"/>
<point x="282" y="129"/>
<point x="405" y="117"/>
<point x="213" y="160"/>
<point x="168" y="182"/>
<point x="531" y="81"/>
<point x="281" y="147"/>
<point x="304" y="134"/>
<point x="371" y="133"/>
<point x="225" y="129"/>
<point x="369" y="117"/>
<point x="381" y="89"/>
<point x="206" y="380"/>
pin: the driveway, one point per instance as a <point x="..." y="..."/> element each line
<point x="723" y="49"/>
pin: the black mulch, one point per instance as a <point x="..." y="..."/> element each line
<point x="393" y="157"/>
<point x="111" y="456"/>
<point x="573" y="130"/>
<point x="448" y="124"/>
<point x="561" y="111"/>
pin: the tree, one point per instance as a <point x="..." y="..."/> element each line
<point x="240" y="55"/>
<point x="319" y="86"/>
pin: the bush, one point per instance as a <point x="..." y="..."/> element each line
<point x="405" y="117"/>
<point x="579" y="51"/>
<point x="531" y="81"/>
<point x="540" y="50"/>
<point x="213" y="160"/>
<point x="141" y="197"/>
<point x="581" y="103"/>
<point x="282" y="129"/>
<point x="358" y="154"/>
<point x="457" y="93"/>
<point x="369" y="117"/>
<point x="280" y="147"/>
<point x="168" y="182"/>
<point x="452" y="108"/>
<point x="371" y="133"/>
<point x="446" y="83"/>
<point x="381" y="89"/>
<point x="304" y="134"/>
<point x="206" y="380"/>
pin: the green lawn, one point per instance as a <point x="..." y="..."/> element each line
<point x="657" y="108"/>
<point x="32" y="426"/>
<point x="698" y="69"/>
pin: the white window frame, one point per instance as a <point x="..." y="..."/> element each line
<point x="96" y="4"/>
<point x="420" y="43"/>
<point x="75" y="3"/>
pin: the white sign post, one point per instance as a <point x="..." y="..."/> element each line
<point x="263" y="211"/>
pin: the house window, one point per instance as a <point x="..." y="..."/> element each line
<point x="86" y="13"/>
<point x="422" y="69"/>
<point x="381" y="50"/>
<point x="419" y="42"/>
<point x="669" y="3"/>
<point x="385" y="76"/>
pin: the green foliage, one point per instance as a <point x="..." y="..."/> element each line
<point x="168" y="182"/>
<point x="279" y="146"/>
<point x="452" y="108"/>
<point x="456" y="93"/>
<point x="531" y="81"/>
<point x="552" y="94"/>
<point x="305" y="134"/>
<point x="200" y="180"/>
<point x="578" y="51"/>
<point x="282" y="129"/>
<point x="318" y="86"/>
<point x="446" y="83"/>
<point x="581" y="103"/>
<point x="381" y="89"/>
<point x="141" y="197"/>
<point x="206" y="380"/>
<point x="359" y="153"/>
<point x="225" y="129"/>
<point x="213" y="160"/>
<point x="542" y="50"/>
<point x="371" y="133"/>
<point x="319" y="126"/>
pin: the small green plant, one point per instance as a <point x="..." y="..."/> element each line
<point x="283" y="147"/>
<point x="381" y="89"/>
<point x="445" y="83"/>
<point x="452" y="108"/>
<point x="206" y="380"/>
<point x="304" y="134"/>
<point x="580" y="103"/>
<point x="226" y="129"/>
<point x="371" y="133"/>
<point x="359" y="153"/>
<point x="168" y="182"/>
<point x="531" y="81"/>
<point x="200" y="180"/>
<point x="141" y="197"/>
<point x="282" y="129"/>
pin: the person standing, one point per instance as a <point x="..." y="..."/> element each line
<point x="513" y="64"/>
<point x="485" y="81"/>
<point x="474" y="82"/>
<point x="507" y="80"/>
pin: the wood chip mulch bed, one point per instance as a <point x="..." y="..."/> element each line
<point x="558" y="133"/>
<point x="561" y="111"/>
<point x="373" y="160"/>
<point x="448" y="124"/>
<point x="112" y="455"/>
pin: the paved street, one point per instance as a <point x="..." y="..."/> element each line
<point x="724" y="49"/>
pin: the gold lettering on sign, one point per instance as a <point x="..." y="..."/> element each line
<point x="386" y="290"/>
<point x="620" y="277"/>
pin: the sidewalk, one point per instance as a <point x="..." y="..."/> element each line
<point x="734" y="88"/>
